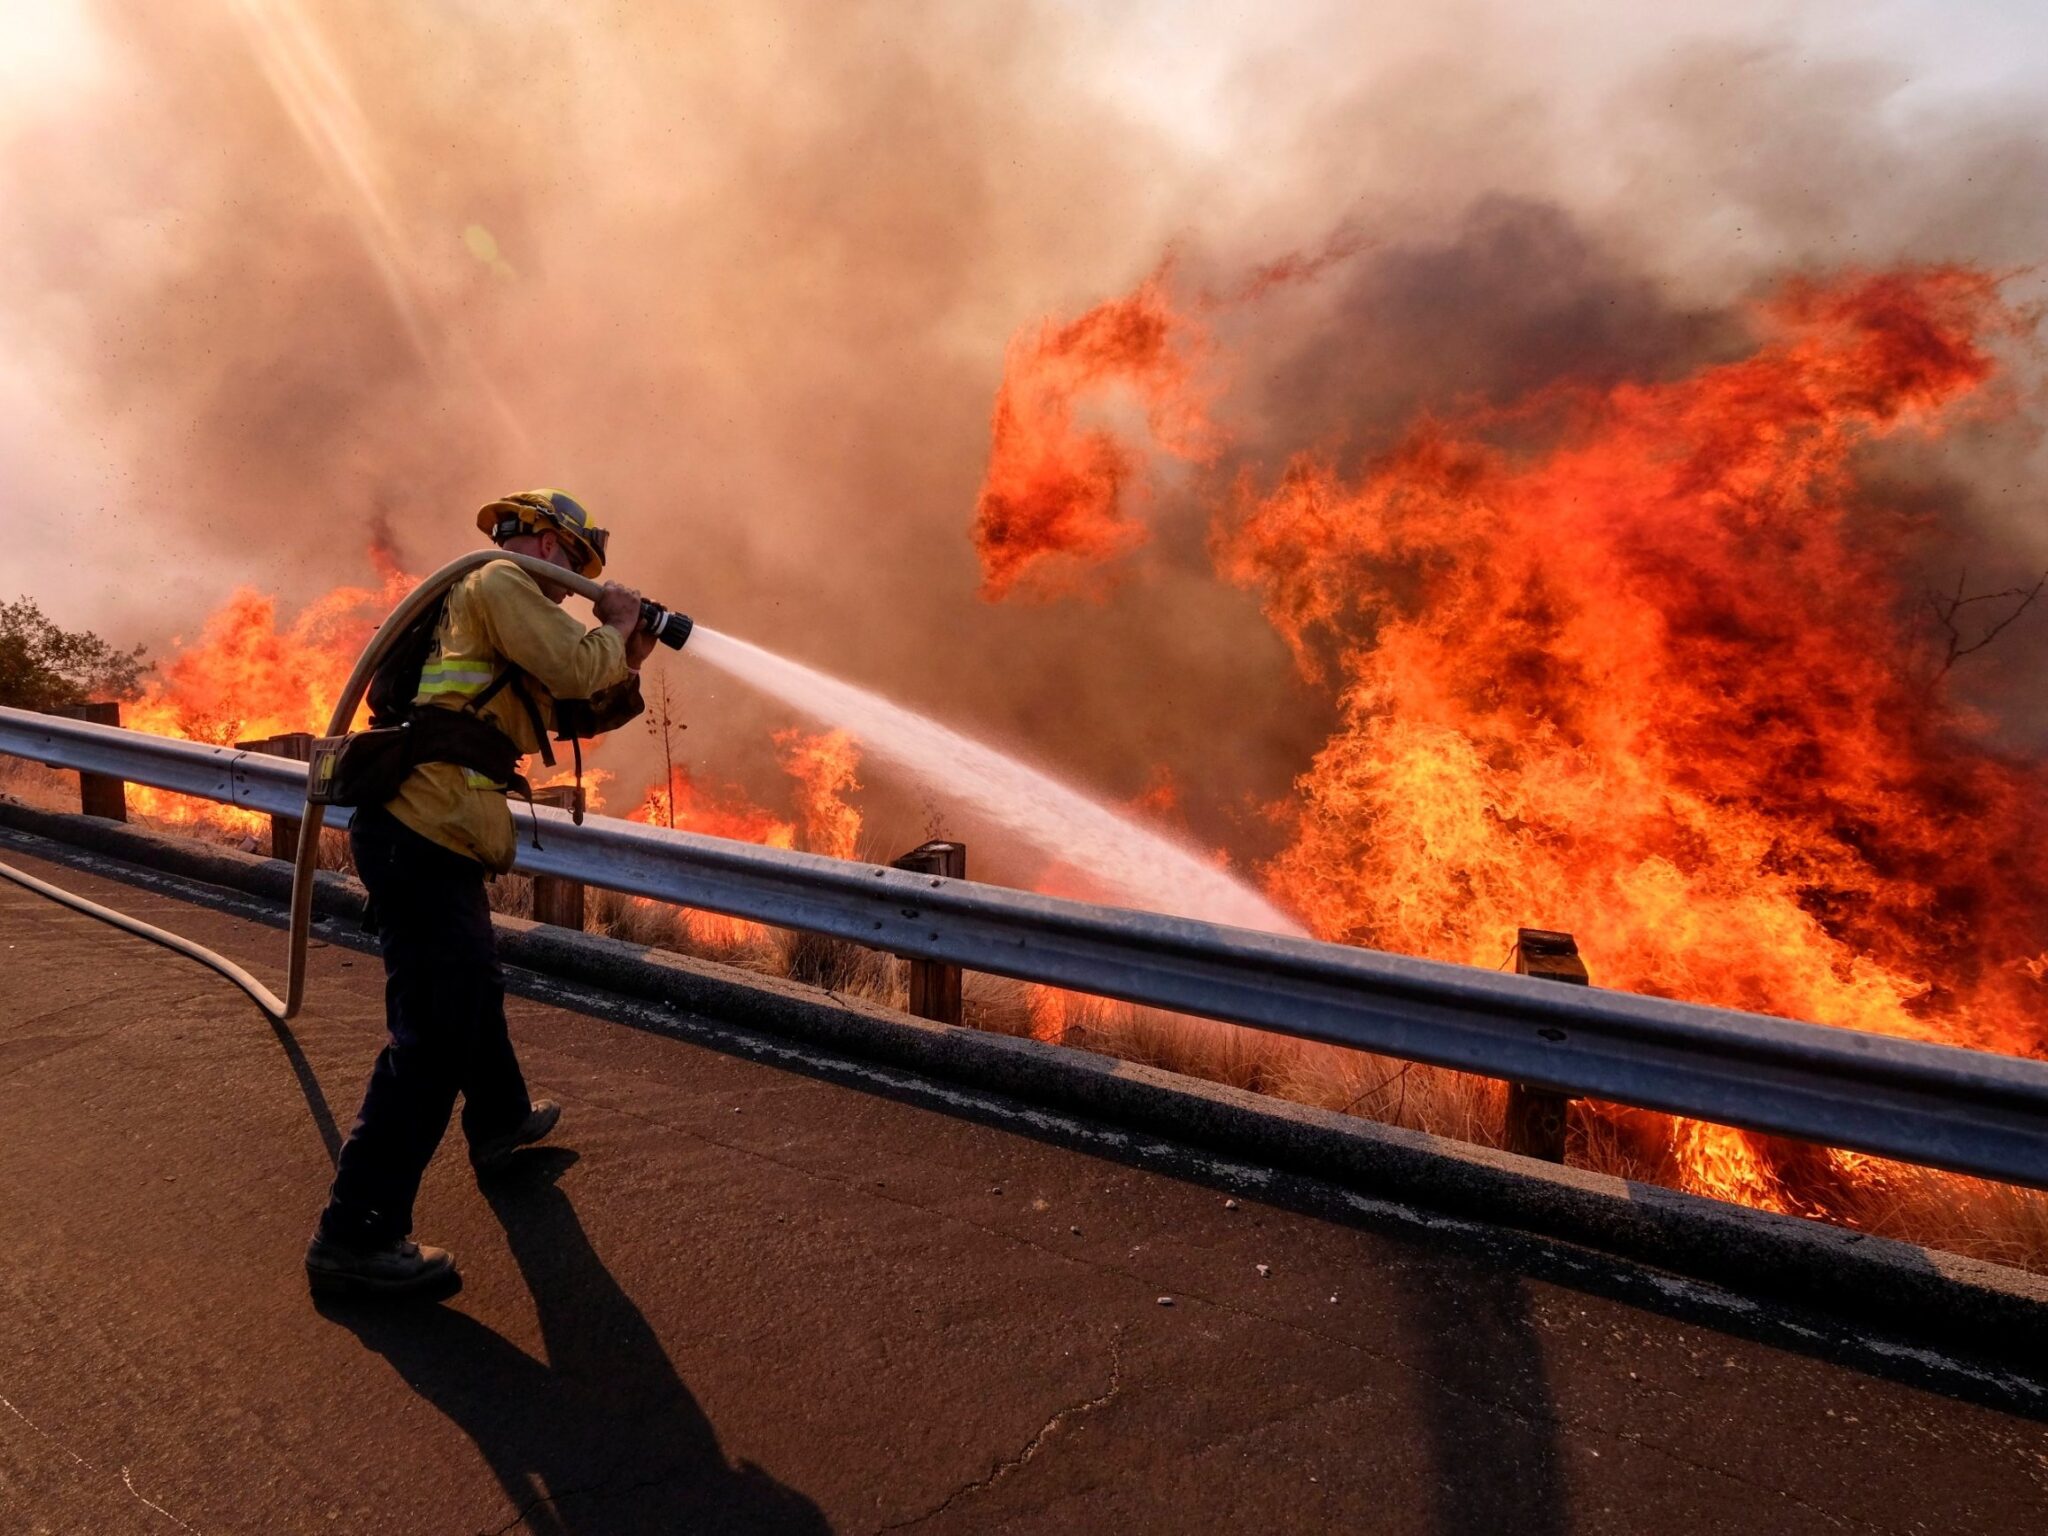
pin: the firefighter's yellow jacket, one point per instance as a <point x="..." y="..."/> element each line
<point x="498" y="616"/>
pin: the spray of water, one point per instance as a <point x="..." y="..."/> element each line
<point x="1136" y="865"/>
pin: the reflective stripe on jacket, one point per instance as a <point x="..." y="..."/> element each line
<point x="498" y="616"/>
<point x="458" y="677"/>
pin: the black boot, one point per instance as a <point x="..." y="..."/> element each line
<point x="490" y="1156"/>
<point x="392" y="1269"/>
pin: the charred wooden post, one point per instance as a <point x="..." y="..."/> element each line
<point x="298" y="746"/>
<point x="1537" y="1118"/>
<point x="99" y="795"/>
<point x="556" y="900"/>
<point x="935" y="985"/>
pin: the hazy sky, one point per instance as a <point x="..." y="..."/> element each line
<point x="1224" y="81"/>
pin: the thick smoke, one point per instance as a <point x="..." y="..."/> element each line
<point x="744" y="283"/>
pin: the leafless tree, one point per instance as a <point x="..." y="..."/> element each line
<point x="663" y="725"/>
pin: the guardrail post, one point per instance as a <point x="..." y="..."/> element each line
<point x="556" y="900"/>
<point x="298" y="746"/>
<point x="934" y="984"/>
<point x="1537" y="1118"/>
<point x="99" y="795"/>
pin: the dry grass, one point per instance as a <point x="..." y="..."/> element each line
<point x="1994" y="1222"/>
<point x="56" y="789"/>
<point x="32" y="784"/>
<point x="844" y="968"/>
<point x="1982" y="1220"/>
<point x="1350" y="1082"/>
<point x="707" y="935"/>
<point x="512" y="896"/>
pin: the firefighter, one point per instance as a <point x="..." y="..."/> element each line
<point x="504" y="652"/>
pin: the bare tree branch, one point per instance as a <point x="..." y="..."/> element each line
<point x="663" y="724"/>
<point x="1948" y="613"/>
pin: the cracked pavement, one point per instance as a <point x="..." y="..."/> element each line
<point x="737" y="1295"/>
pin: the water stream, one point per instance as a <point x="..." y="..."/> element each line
<point x="1134" y="865"/>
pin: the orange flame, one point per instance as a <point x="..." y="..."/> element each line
<point x="1648" y="684"/>
<point x="594" y="781"/>
<point x="1053" y="504"/>
<point x="247" y="677"/>
<point x="1058" y="500"/>
<point x="688" y="806"/>
<point x="1049" y="1011"/>
<point x="823" y="767"/>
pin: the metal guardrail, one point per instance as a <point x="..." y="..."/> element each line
<point x="1967" y="1111"/>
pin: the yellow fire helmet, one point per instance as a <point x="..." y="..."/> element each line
<point x="549" y="511"/>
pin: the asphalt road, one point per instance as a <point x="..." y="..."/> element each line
<point x="768" y="1292"/>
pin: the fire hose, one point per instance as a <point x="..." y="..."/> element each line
<point x="670" y="627"/>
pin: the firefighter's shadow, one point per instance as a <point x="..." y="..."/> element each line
<point x="1487" y="1410"/>
<point x="601" y="1438"/>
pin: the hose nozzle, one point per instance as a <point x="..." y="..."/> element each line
<point x="672" y="629"/>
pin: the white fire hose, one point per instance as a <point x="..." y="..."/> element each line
<point x="416" y="602"/>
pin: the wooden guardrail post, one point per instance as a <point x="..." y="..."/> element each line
<point x="298" y="746"/>
<point x="99" y="795"/>
<point x="935" y="984"/>
<point x="556" y="900"/>
<point x="1537" y="1118"/>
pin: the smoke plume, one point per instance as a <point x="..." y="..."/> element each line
<point x="286" y="283"/>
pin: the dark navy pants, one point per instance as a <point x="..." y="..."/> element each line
<point x="444" y="1003"/>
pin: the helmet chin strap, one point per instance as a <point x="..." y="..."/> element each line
<point x="554" y="554"/>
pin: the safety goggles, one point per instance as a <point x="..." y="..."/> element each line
<point x="594" y="543"/>
<point x="593" y="540"/>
